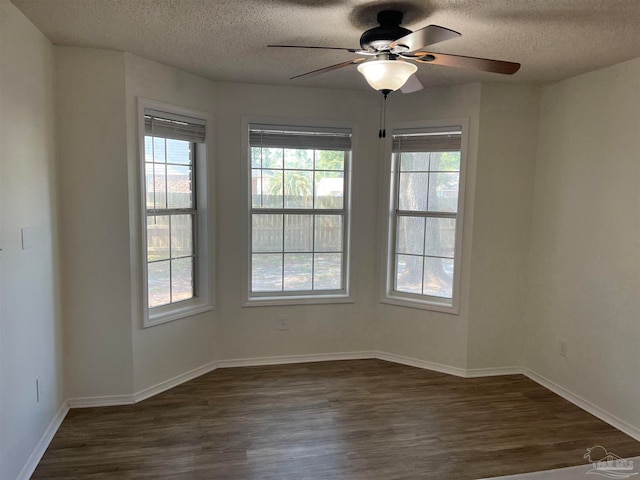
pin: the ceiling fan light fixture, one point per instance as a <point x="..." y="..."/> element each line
<point x="387" y="74"/>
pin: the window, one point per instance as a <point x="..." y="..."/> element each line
<point x="424" y="225"/>
<point x="175" y="268"/>
<point x="299" y="180"/>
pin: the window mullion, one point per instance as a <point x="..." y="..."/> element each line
<point x="397" y="175"/>
<point x="195" y="270"/>
<point x="170" y="260"/>
<point x="153" y="168"/>
<point x="166" y="176"/>
<point x="313" y="223"/>
<point x="171" y="211"/>
<point x="284" y="185"/>
<point x="297" y="211"/>
<point x="194" y="177"/>
<point x="284" y="195"/>
<point x="261" y="176"/>
<point x="283" y="231"/>
<point x="413" y="213"/>
<point x="313" y="251"/>
<point x="429" y="180"/>
<point x="424" y="241"/>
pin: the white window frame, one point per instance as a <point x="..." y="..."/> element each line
<point x="250" y="299"/>
<point x="203" y="301"/>
<point x="388" y="295"/>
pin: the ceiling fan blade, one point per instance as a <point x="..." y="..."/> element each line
<point x="483" y="64"/>
<point x="429" y="35"/>
<point x="332" y="67"/>
<point x="413" y="85"/>
<point x="352" y="50"/>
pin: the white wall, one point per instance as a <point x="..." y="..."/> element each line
<point x="30" y="326"/>
<point x="94" y="221"/>
<point x="501" y="227"/>
<point x="422" y="334"/>
<point x="251" y="332"/>
<point x="585" y="247"/>
<point x="167" y="350"/>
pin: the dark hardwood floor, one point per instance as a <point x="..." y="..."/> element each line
<point x="360" y="419"/>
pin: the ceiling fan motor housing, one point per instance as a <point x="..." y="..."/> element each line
<point x="379" y="38"/>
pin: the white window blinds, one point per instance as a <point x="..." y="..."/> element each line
<point x="176" y="127"/>
<point x="440" y="139"/>
<point x="268" y="136"/>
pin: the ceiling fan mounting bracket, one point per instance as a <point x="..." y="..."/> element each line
<point x="389" y="18"/>
<point x="379" y="38"/>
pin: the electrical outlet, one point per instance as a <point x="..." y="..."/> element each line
<point x="283" y="323"/>
<point x="563" y="348"/>
<point x="27" y="238"/>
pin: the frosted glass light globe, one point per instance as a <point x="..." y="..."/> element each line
<point x="387" y="74"/>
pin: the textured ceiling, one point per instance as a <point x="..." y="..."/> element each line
<point x="227" y="39"/>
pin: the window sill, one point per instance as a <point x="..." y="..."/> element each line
<point x="181" y="311"/>
<point x="298" y="300"/>
<point x="442" y="307"/>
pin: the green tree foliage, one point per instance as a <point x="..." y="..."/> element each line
<point x="449" y="161"/>
<point x="329" y="160"/>
<point x="271" y="158"/>
<point x="298" y="159"/>
<point x="295" y="183"/>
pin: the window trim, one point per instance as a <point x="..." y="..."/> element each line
<point x="389" y="189"/>
<point x="250" y="299"/>
<point x="203" y="302"/>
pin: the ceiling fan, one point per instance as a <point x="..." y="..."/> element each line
<point x="384" y="50"/>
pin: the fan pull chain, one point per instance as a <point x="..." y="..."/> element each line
<point x="384" y="116"/>
<point x="380" y="122"/>
<point x="382" y="133"/>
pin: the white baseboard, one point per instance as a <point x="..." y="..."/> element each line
<point x="285" y="359"/>
<point x="115" y="400"/>
<point x="43" y="443"/>
<point x="578" y="401"/>
<point x="414" y="362"/>
<point x="584" y="404"/>
<point x="173" y="382"/>
<point x="492" y="372"/>
<point x="101" y="401"/>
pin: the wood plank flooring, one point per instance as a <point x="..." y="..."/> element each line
<point x="358" y="419"/>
